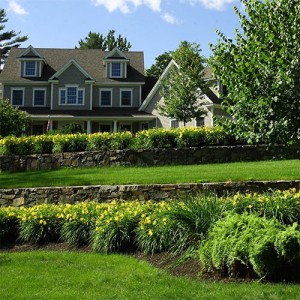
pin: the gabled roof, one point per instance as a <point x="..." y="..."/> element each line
<point x="67" y="65"/>
<point x="212" y="97"/>
<point x="114" y="54"/>
<point x="30" y="52"/>
<point x="90" y="60"/>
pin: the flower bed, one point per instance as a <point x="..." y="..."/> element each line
<point x="270" y="219"/>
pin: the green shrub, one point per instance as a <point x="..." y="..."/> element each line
<point x="69" y="143"/>
<point x="193" y="218"/>
<point x="40" y="224"/>
<point x="8" y="226"/>
<point x="155" y="231"/>
<point x="156" y="138"/>
<point x="99" y="141"/>
<point x="120" y="140"/>
<point x="248" y="245"/>
<point x="115" y="227"/>
<point x="79" y="222"/>
<point x="72" y="128"/>
<point x="282" y="205"/>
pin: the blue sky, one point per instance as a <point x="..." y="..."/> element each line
<point x="152" y="26"/>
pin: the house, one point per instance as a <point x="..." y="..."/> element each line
<point x="211" y="101"/>
<point x="100" y="90"/>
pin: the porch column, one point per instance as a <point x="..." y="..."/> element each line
<point x="88" y="127"/>
<point x="115" y="126"/>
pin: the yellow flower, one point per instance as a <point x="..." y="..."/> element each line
<point x="150" y="232"/>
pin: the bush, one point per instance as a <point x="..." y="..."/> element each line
<point x="9" y="232"/>
<point x="156" y="138"/>
<point x="69" y="143"/>
<point x="40" y="224"/>
<point x="282" y="205"/>
<point x="193" y="218"/>
<point x="79" y="222"/>
<point x="155" y="231"/>
<point x="71" y="129"/>
<point x="115" y="227"/>
<point x="248" y="245"/>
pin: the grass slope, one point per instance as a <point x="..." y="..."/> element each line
<point x="70" y="275"/>
<point x="262" y="170"/>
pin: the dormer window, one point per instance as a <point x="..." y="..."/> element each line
<point x="115" y="70"/>
<point x="30" y="68"/>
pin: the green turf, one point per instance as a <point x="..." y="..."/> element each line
<point x="67" y="275"/>
<point x="262" y="170"/>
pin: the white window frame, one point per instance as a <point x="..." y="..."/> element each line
<point x="33" y="96"/>
<point x="111" y="69"/>
<point x="23" y="95"/>
<point x="175" y="122"/>
<point x="66" y="93"/>
<point x="105" y="90"/>
<point x="126" y="90"/>
<point x="35" y="68"/>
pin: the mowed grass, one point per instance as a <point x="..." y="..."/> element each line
<point x="73" y="275"/>
<point x="239" y="171"/>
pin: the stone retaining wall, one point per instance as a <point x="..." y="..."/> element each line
<point x="144" y="157"/>
<point x="104" y="193"/>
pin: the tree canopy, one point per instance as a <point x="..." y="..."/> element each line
<point x="182" y="88"/>
<point x="161" y="62"/>
<point x="12" y="120"/>
<point x="106" y="43"/>
<point x="8" y="39"/>
<point x="261" y="70"/>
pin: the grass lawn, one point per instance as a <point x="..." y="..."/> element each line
<point x="73" y="275"/>
<point x="261" y="170"/>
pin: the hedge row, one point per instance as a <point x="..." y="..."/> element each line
<point x="153" y="138"/>
<point x="237" y="236"/>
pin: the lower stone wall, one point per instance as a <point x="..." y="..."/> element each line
<point x="144" y="157"/>
<point x="103" y="193"/>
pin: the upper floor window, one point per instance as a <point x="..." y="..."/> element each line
<point x="126" y="97"/>
<point x="30" y="68"/>
<point x="71" y="95"/>
<point x="116" y="70"/>
<point x="17" y="96"/>
<point x="39" y="97"/>
<point x="105" y="97"/>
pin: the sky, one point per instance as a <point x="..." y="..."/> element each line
<point x="151" y="26"/>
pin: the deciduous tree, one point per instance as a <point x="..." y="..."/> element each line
<point x="182" y="88"/>
<point x="261" y="69"/>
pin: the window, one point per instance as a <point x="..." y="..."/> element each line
<point x="174" y="123"/>
<point x="200" y="122"/>
<point x="71" y="95"/>
<point x="17" y="97"/>
<point x="126" y="97"/>
<point x="39" y="97"/>
<point x="115" y="69"/>
<point x="30" y="68"/>
<point x="105" y="97"/>
<point x="125" y="127"/>
<point x="144" y="126"/>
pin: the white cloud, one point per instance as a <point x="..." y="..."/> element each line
<point x="211" y="4"/>
<point x="16" y="8"/>
<point x="127" y="6"/>
<point x="169" y="18"/>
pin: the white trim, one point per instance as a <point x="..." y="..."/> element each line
<point x="157" y="85"/>
<point x="91" y="96"/>
<point x="35" y="69"/>
<point x="110" y="69"/>
<point x="111" y="96"/>
<point x="28" y="49"/>
<point x="67" y="65"/>
<point x="126" y="90"/>
<point x="113" y="51"/>
<point x="51" y="99"/>
<point x="23" y="95"/>
<point x="66" y="94"/>
<point x="45" y="96"/>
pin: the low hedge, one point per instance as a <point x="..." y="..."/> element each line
<point x="153" y="138"/>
